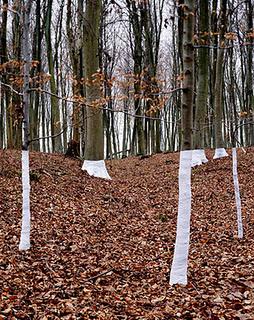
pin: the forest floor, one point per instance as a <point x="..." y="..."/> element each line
<point x="103" y="249"/>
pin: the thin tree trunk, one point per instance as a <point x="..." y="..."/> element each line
<point x="14" y="109"/>
<point x="203" y="63"/>
<point x="219" y="80"/>
<point x="75" y="49"/>
<point x="249" y="82"/>
<point x="35" y="98"/>
<point x="4" y="100"/>
<point x="26" y="53"/>
<point x="188" y="82"/>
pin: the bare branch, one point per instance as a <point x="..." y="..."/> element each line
<point x="11" y="88"/>
<point x="100" y="275"/>
<point x="47" y="137"/>
<point x="223" y="47"/>
<point x="67" y="99"/>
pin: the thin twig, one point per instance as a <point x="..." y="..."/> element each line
<point x="238" y="127"/>
<point x="224" y="47"/>
<point x="11" y="88"/>
<point x="47" y="137"/>
<point x="100" y="275"/>
<point x="66" y="99"/>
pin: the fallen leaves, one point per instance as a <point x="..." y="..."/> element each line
<point x="103" y="249"/>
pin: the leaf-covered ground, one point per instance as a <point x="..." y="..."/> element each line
<point x="103" y="249"/>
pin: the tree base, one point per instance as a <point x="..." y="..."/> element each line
<point x="96" y="168"/>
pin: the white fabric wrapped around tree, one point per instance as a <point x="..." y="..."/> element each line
<point x="220" y="153"/>
<point x="25" y="229"/>
<point x="96" y="168"/>
<point x="198" y="157"/>
<point x="237" y="195"/>
<point x="178" y="274"/>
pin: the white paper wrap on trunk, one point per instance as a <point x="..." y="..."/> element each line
<point x="220" y="153"/>
<point x="198" y="157"/>
<point x="178" y="274"/>
<point x="25" y="229"/>
<point x="96" y="168"/>
<point x="237" y="195"/>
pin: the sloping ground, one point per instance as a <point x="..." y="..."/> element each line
<point x="103" y="249"/>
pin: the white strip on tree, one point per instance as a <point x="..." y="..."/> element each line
<point x="203" y="156"/>
<point x="237" y="195"/>
<point x="178" y="274"/>
<point x="220" y="153"/>
<point x="198" y="157"/>
<point x="96" y="168"/>
<point x="196" y="160"/>
<point x="25" y="230"/>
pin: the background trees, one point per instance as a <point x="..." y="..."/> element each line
<point x="137" y="74"/>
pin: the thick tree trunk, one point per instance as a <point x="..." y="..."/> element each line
<point x="94" y="146"/>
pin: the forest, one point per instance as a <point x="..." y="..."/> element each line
<point x="126" y="159"/>
<point x="135" y="77"/>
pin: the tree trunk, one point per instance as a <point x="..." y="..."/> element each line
<point x="188" y="82"/>
<point x="203" y="63"/>
<point x="94" y="146"/>
<point x="75" y="49"/>
<point x="26" y="54"/>
<point x="35" y="98"/>
<point x="249" y="77"/>
<point x="3" y="58"/>
<point x="14" y="108"/>
<point x="218" y="117"/>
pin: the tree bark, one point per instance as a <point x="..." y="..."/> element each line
<point x="249" y="77"/>
<point x="35" y="97"/>
<point x="188" y="81"/>
<point x="3" y="58"/>
<point x="203" y="76"/>
<point x="94" y="146"/>
<point x="218" y="117"/>
<point x="26" y="55"/>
